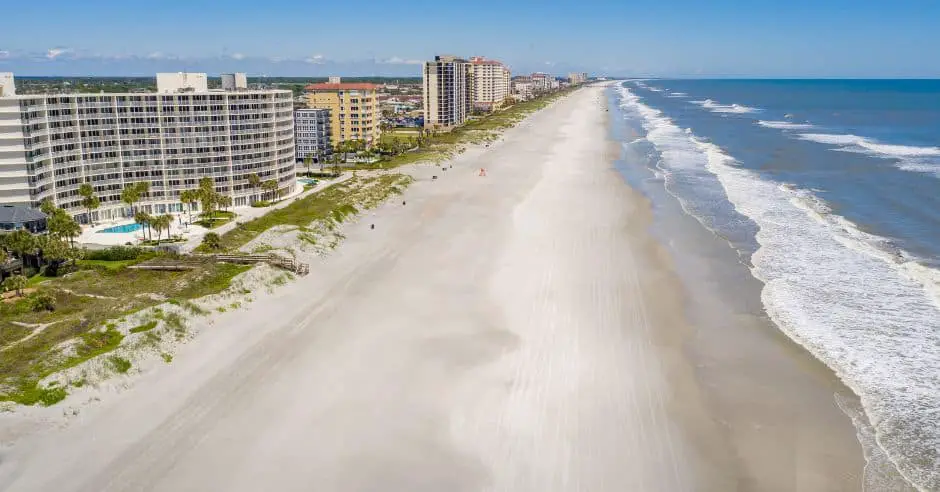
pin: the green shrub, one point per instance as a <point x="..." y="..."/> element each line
<point x="212" y="241"/>
<point x="41" y="301"/>
<point x="261" y="204"/>
<point x="114" y="253"/>
<point x="144" y="327"/>
<point x="120" y="364"/>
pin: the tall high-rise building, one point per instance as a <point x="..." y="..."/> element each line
<point x="354" y="109"/>
<point x="50" y="144"/>
<point x="491" y="84"/>
<point x="448" y="92"/>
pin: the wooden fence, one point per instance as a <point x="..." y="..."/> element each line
<point x="192" y="261"/>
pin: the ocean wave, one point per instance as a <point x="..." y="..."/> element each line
<point x="678" y="94"/>
<point x="864" y="307"/>
<point x="785" y="125"/>
<point x="715" y="107"/>
<point x="909" y="157"/>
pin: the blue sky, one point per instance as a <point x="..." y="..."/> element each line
<point x="670" y="38"/>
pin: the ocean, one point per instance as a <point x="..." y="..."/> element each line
<point x="829" y="192"/>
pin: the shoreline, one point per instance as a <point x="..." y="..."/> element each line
<point x="520" y="331"/>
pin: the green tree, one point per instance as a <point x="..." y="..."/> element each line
<point x="143" y="188"/>
<point x="224" y="201"/>
<point x="15" y="283"/>
<point x="62" y="225"/>
<point x="47" y="206"/>
<point x="212" y="241"/>
<point x="189" y="197"/>
<point x="144" y="219"/>
<point x="21" y="243"/>
<point x="254" y="181"/>
<point x="269" y="186"/>
<point x="162" y="223"/>
<point x="207" y="196"/>
<point x="89" y="200"/>
<point x="308" y="161"/>
<point x="130" y="195"/>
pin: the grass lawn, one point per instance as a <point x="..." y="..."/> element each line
<point x="105" y="264"/>
<point x="215" y="219"/>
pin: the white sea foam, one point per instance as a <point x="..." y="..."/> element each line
<point x="678" y="94"/>
<point x="908" y="157"/>
<point x="785" y="125"/>
<point x="715" y="107"/>
<point x="865" y="308"/>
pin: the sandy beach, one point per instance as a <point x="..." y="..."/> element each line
<point x="519" y="331"/>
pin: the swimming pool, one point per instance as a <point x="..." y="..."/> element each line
<point x="307" y="181"/>
<point x="122" y="228"/>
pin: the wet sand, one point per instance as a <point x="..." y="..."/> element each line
<point x="521" y="331"/>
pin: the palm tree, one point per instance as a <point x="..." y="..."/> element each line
<point x="143" y="218"/>
<point x="130" y="195"/>
<point x="162" y="223"/>
<point x="21" y="243"/>
<point x="89" y="200"/>
<point x="254" y="181"/>
<point x="189" y="197"/>
<point x="62" y="225"/>
<point x="307" y="162"/>
<point x="225" y="201"/>
<point x="269" y="186"/>
<point x="207" y="196"/>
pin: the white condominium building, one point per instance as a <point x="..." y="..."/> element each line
<point x="50" y="144"/>
<point x="490" y="83"/>
<point x="448" y="92"/>
<point x="312" y="134"/>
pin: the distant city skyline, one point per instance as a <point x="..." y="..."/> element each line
<point x="677" y="38"/>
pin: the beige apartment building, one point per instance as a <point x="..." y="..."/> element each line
<point x="448" y="92"/>
<point x="354" y="109"/>
<point x="491" y="86"/>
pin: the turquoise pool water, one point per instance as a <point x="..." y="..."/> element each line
<point x="307" y="181"/>
<point x="122" y="228"/>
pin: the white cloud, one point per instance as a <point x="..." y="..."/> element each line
<point x="396" y="60"/>
<point x="4" y="54"/>
<point x="54" y="53"/>
<point x="237" y="56"/>
<point x="550" y="63"/>
<point x="315" y="59"/>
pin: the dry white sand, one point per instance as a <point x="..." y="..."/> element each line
<point x="514" y="332"/>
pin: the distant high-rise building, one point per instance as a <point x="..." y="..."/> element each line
<point x="577" y="78"/>
<point x="50" y="144"/>
<point x="448" y="92"/>
<point x="542" y="81"/>
<point x="354" y="109"/>
<point x="490" y="83"/>
<point x="312" y="135"/>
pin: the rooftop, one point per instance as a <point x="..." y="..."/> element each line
<point x="16" y="214"/>
<point x="362" y="86"/>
